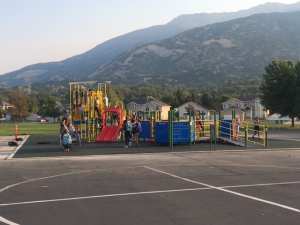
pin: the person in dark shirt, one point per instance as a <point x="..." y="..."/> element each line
<point x="96" y="106"/>
<point x="133" y="117"/>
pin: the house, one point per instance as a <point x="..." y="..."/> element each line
<point x="134" y="104"/>
<point x="64" y="105"/>
<point x="191" y="106"/>
<point x="8" y="108"/>
<point x="149" y="106"/>
<point x="245" y="106"/>
<point x="5" y="105"/>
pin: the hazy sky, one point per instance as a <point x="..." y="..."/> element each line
<point x="34" y="31"/>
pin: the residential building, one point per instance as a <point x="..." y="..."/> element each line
<point x="64" y="105"/>
<point x="8" y="108"/>
<point x="149" y="106"/>
<point x="191" y="106"/>
<point x="245" y="106"/>
<point x="134" y="104"/>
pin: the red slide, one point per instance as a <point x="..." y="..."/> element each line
<point x="108" y="134"/>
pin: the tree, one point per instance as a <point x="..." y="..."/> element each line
<point x="50" y="108"/>
<point x="280" y="90"/>
<point x="33" y="104"/>
<point x="20" y="109"/>
<point x="179" y="96"/>
<point x="206" y="100"/>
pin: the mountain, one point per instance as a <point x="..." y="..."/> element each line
<point x="80" y="66"/>
<point x="237" y="49"/>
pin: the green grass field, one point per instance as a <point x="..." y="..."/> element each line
<point x="8" y="128"/>
<point x="273" y="126"/>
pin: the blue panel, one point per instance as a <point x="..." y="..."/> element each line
<point x="181" y="132"/>
<point x="225" y="128"/>
<point x="146" y="132"/>
<point x="76" y="122"/>
<point x="162" y="132"/>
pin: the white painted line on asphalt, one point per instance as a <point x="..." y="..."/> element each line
<point x="3" y="220"/>
<point x="225" y="164"/>
<point x="15" y="151"/>
<point x="257" y="185"/>
<point x="146" y="192"/>
<point x="42" y="178"/>
<point x="27" y="181"/>
<point x="104" y="196"/>
<point x="228" y="191"/>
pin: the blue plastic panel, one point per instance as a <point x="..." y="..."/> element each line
<point x="146" y="132"/>
<point x="225" y="128"/>
<point x="162" y="132"/>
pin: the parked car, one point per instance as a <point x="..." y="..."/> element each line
<point x="2" y="119"/>
<point x="43" y="120"/>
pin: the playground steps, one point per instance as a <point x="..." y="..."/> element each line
<point x="91" y="129"/>
<point x="202" y="139"/>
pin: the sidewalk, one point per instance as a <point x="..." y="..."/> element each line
<point x="5" y="149"/>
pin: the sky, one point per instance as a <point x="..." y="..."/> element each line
<point x="37" y="31"/>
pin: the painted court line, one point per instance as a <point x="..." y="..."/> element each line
<point x="225" y="164"/>
<point x="225" y="190"/>
<point x="144" y="192"/>
<point x="42" y="178"/>
<point x="3" y="220"/>
<point x="17" y="149"/>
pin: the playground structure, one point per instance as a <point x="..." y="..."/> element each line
<point x="175" y="131"/>
<point x="82" y="103"/>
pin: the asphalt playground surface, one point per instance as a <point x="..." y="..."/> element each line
<point x="100" y="183"/>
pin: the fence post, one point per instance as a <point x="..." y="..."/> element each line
<point x="266" y="136"/>
<point x="16" y="131"/>
<point x="210" y="134"/>
<point x="171" y="125"/>
<point x="246" y="137"/>
<point x="215" y="131"/>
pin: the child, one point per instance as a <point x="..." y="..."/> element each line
<point x="81" y="110"/>
<point x="198" y="125"/>
<point x="128" y="128"/>
<point x="136" y="130"/>
<point x="66" y="140"/>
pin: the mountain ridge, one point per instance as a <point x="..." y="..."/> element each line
<point x="235" y="49"/>
<point x="80" y="66"/>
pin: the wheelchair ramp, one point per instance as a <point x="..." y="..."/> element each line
<point x="238" y="142"/>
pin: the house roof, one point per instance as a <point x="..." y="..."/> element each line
<point x="231" y="100"/>
<point x="139" y="101"/>
<point x="244" y="98"/>
<point x="157" y="102"/>
<point x="234" y="108"/>
<point x="3" y="103"/>
<point x="248" y="98"/>
<point x="193" y="104"/>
